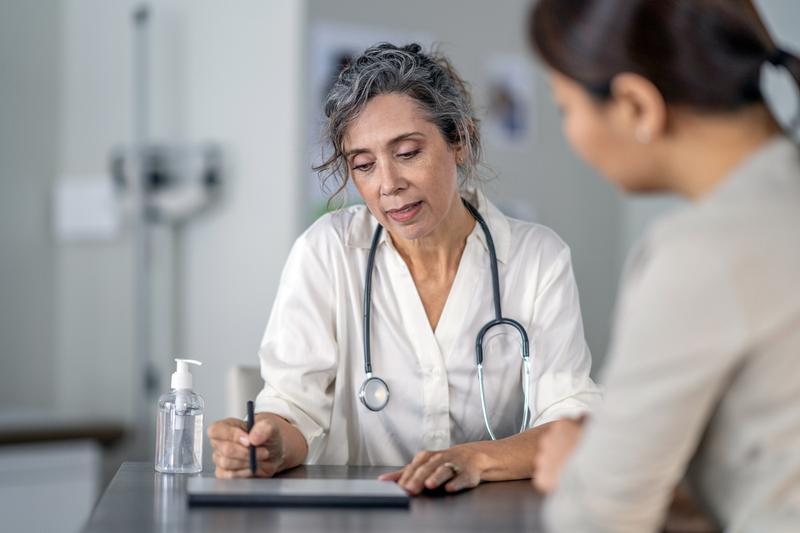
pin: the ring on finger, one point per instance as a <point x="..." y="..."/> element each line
<point x="453" y="467"/>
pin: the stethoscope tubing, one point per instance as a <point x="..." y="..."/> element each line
<point x="498" y="321"/>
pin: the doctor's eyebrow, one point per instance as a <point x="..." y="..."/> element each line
<point x="394" y="140"/>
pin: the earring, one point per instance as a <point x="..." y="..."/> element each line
<point x="642" y="136"/>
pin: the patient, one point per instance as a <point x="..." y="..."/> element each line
<point x="704" y="372"/>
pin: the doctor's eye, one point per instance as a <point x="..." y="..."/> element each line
<point x="364" y="168"/>
<point x="361" y="164"/>
<point x="409" y="155"/>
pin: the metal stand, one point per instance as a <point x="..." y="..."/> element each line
<point x="161" y="184"/>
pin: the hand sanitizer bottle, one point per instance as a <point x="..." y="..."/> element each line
<point x="179" y="430"/>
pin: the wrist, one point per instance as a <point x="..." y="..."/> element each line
<point x="505" y="459"/>
<point x="293" y="447"/>
<point x="482" y="459"/>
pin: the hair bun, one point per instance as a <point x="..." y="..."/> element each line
<point x="778" y="57"/>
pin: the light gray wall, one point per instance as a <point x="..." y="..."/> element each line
<point x="93" y="279"/>
<point x="223" y="73"/>
<point x="29" y="88"/>
<point x="783" y="19"/>
<point x="567" y="196"/>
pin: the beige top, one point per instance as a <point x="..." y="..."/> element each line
<point x="704" y="371"/>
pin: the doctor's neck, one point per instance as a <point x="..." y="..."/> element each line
<point x="439" y="252"/>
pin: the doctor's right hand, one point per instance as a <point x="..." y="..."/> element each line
<point x="231" y="443"/>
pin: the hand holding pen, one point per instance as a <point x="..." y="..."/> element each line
<point x="260" y="440"/>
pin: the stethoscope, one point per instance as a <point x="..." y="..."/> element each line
<point x="374" y="392"/>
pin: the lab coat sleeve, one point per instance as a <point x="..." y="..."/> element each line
<point x="674" y="348"/>
<point x="561" y="361"/>
<point x="298" y="353"/>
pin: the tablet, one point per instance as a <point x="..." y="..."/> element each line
<point x="210" y="491"/>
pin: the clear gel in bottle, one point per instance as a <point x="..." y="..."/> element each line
<point x="179" y="429"/>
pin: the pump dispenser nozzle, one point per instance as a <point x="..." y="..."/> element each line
<point x="182" y="378"/>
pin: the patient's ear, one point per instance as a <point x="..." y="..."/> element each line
<point x="637" y="108"/>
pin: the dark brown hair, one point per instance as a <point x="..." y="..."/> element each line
<point x="705" y="54"/>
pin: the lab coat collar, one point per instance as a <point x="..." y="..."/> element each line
<point x="362" y="226"/>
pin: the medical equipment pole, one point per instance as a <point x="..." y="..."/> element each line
<point x="140" y="230"/>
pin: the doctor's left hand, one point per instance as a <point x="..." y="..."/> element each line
<point x="457" y="468"/>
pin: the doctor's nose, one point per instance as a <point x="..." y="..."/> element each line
<point x="391" y="180"/>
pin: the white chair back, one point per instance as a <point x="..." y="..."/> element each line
<point x="241" y="384"/>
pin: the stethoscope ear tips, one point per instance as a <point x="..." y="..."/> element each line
<point x="374" y="393"/>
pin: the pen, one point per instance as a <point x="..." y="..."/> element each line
<point x="251" y="418"/>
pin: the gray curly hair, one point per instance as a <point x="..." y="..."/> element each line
<point x="429" y="79"/>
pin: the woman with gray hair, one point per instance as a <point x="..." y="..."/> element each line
<point x="370" y="355"/>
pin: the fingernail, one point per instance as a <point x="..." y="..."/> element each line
<point x="245" y="441"/>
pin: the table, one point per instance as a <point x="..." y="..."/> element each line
<point x="141" y="500"/>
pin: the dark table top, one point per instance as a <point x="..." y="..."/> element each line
<point x="142" y="500"/>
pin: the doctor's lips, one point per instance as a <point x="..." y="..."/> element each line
<point x="405" y="213"/>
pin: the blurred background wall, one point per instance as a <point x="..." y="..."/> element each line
<point x="222" y="73"/>
<point x="30" y="35"/>
<point x="237" y="74"/>
<point x="227" y="73"/>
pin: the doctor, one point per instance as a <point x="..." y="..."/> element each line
<point x="402" y="387"/>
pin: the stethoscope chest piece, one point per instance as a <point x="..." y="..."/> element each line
<point x="374" y="393"/>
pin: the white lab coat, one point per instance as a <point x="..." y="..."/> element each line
<point x="312" y="359"/>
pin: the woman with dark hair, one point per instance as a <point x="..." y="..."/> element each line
<point x="391" y="296"/>
<point x="703" y="376"/>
